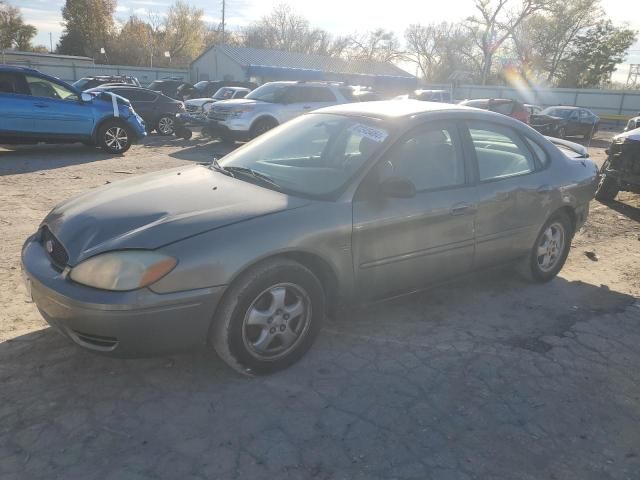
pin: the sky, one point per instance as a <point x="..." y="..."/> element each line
<point x="339" y="17"/>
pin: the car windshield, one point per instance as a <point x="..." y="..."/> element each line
<point x="270" y="92"/>
<point x="313" y="155"/>
<point x="558" y="112"/>
<point x="202" y="85"/>
<point x="224" y="94"/>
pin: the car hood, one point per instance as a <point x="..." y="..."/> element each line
<point x="633" y="135"/>
<point x="198" y="102"/>
<point x="236" y="102"/>
<point x="156" y="209"/>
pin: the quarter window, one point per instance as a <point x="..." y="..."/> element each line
<point x="41" y="87"/>
<point x="429" y="157"/>
<point x="500" y="153"/>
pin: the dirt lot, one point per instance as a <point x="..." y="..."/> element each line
<point x="487" y="378"/>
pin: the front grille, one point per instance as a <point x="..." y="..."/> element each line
<point x="221" y="114"/>
<point x="55" y="249"/>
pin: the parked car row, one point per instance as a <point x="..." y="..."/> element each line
<point x="229" y="110"/>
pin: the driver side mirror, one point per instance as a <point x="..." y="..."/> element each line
<point x="86" y="97"/>
<point x="398" y="187"/>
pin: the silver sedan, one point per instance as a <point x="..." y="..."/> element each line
<point x="355" y="202"/>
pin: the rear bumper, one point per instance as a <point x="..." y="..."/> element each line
<point x="123" y="324"/>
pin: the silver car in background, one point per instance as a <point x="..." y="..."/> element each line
<point x="355" y="202"/>
<point x="271" y="105"/>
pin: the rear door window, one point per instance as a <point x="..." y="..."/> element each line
<point x="136" y="95"/>
<point x="322" y="94"/>
<point x="500" y="152"/>
<point x="12" y="83"/>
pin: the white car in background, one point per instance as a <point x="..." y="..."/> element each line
<point x="270" y="105"/>
<point x="201" y="106"/>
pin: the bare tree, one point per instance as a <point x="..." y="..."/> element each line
<point x="379" y="44"/>
<point x="496" y="23"/>
<point x="439" y="50"/>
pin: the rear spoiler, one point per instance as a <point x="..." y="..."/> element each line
<point x="574" y="147"/>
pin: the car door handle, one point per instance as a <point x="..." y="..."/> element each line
<point x="41" y="105"/>
<point x="307" y="107"/>
<point x="543" y="189"/>
<point x="462" y="209"/>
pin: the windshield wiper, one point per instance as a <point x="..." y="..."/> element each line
<point x="214" y="165"/>
<point x="254" y="174"/>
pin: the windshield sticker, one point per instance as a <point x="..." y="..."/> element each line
<point x="375" y="134"/>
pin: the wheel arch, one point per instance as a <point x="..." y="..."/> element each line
<point x="318" y="265"/>
<point x="264" y="116"/>
<point x="96" y="129"/>
<point x="570" y="212"/>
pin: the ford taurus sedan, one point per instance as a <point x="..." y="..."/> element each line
<point x="353" y="202"/>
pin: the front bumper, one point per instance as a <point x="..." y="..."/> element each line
<point x="124" y="324"/>
<point x="137" y="125"/>
<point x="229" y="130"/>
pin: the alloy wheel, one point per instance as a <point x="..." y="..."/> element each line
<point x="165" y="125"/>
<point x="116" y="138"/>
<point x="551" y="246"/>
<point x="276" y="321"/>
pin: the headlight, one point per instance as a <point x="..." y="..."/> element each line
<point x="124" y="270"/>
<point x="239" y="111"/>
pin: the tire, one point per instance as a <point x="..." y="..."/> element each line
<point x="114" y="137"/>
<point x="562" y="132"/>
<point x="262" y="126"/>
<point x="166" y="125"/>
<point x="252" y="328"/>
<point x="533" y="268"/>
<point x="187" y="134"/>
<point x="607" y="189"/>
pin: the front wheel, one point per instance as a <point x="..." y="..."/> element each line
<point x="607" y="190"/>
<point x="166" y="125"/>
<point x="262" y="126"/>
<point x="114" y="137"/>
<point x="550" y="251"/>
<point x="269" y="317"/>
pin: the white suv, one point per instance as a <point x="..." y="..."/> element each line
<point x="270" y="105"/>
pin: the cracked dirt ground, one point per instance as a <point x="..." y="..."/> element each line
<point x="487" y="378"/>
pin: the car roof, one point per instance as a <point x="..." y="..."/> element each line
<point x="568" y="107"/>
<point x="16" y="68"/>
<point x="392" y="108"/>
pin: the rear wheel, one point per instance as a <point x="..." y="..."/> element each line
<point x="114" y="137"/>
<point x="550" y="250"/>
<point x="269" y="317"/>
<point x="262" y="126"/>
<point x="166" y="125"/>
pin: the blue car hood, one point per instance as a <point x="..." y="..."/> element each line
<point x="156" y="209"/>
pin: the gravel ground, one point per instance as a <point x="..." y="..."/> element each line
<point x="486" y="378"/>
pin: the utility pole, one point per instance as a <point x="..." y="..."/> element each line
<point x="51" y="42"/>
<point x="223" y="12"/>
<point x="633" y="79"/>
